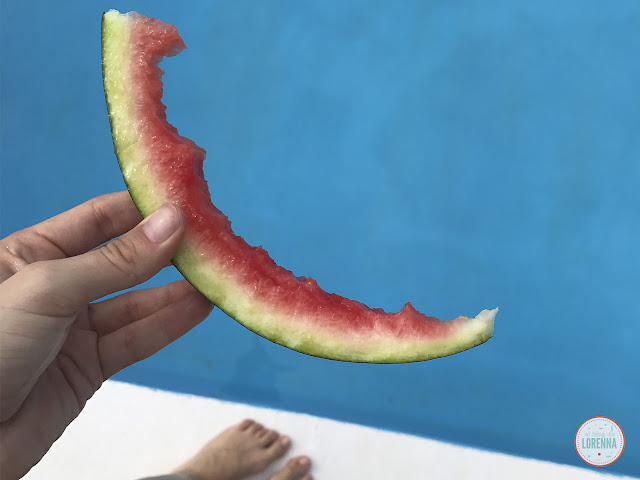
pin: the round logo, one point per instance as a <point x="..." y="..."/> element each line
<point x="599" y="441"/>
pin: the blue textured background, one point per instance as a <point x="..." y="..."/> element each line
<point x="461" y="155"/>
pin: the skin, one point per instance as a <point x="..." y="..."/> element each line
<point x="57" y="344"/>
<point x="243" y="450"/>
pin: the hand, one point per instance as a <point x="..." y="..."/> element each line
<point x="56" y="348"/>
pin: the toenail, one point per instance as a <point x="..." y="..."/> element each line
<point x="304" y="462"/>
<point x="285" y="441"/>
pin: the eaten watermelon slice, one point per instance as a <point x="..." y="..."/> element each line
<point x="160" y="166"/>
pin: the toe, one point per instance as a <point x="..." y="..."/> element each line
<point x="256" y="428"/>
<point x="245" y="424"/>
<point x="294" y="469"/>
<point x="270" y="437"/>
<point x="278" y="448"/>
<point x="307" y="477"/>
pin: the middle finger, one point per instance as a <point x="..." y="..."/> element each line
<point x="114" y="313"/>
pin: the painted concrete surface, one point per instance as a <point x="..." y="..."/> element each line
<point x="128" y="431"/>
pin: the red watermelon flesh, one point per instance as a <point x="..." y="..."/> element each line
<point x="161" y="166"/>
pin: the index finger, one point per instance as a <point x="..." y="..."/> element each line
<point x="91" y="223"/>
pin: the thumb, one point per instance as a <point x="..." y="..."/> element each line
<point x="126" y="261"/>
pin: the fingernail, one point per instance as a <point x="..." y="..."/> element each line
<point x="304" y="462"/>
<point x="161" y="224"/>
<point x="285" y="441"/>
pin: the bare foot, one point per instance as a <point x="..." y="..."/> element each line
<point x="241" y="451"/>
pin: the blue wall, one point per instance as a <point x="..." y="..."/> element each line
<point x="460" y="155"/>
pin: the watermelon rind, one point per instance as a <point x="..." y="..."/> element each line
<point x="309" y="334"/>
